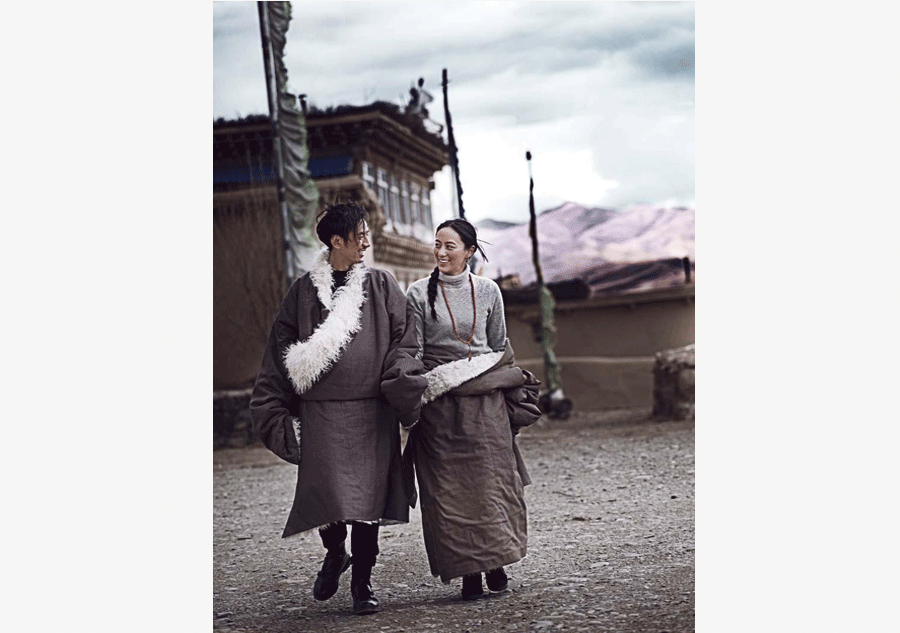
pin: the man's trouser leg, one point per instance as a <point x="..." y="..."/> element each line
<point x="336" y="561"/>
<point x="364" y="542"/>
<point x="333" y="535"/>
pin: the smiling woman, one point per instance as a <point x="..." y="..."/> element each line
<point x="450" y="251"/>
<point x="470" y="473"/>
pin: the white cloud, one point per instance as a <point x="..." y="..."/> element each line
<point x="572" y="176"/>
<point x="494" y="174"/>
<point x="595" y="90"/>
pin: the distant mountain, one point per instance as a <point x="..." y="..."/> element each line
<point x="570" y="214"/>
<point x="493" y="225"/>
<point x="592" y="244"/>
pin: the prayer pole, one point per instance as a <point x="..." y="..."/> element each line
<point x="553" y="401"/>
<point x="454" y="161"/>
<point x="272" y="93"/>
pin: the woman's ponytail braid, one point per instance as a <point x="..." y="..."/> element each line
<point x="432" y="291"/>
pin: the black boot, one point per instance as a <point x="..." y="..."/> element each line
<point x="337" y="560"/>
<point x="496" y="579"/>
<point x="364" y="600"/>
<point x="471" y="588"/>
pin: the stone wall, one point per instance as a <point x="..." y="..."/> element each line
<point x="231" y="419"/>
<point x="606" y="346"/>
<point x="673" y="384"/>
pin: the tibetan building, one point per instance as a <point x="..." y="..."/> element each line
<point x="376" y="155"/>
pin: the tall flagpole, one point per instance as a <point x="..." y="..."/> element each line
<point x="532" y="225"/>
<point x="454" y="161"/>
<point x="272" y="93"/>
<point x="553" y="402"/>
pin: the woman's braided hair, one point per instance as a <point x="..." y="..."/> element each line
<point x="432" y="291"/>
<point x="469" y="236"/>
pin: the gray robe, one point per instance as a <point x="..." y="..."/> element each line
<point x="469" y="469"/>
<point x="349" y="380"/>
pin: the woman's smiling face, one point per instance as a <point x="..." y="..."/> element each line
<point x="450" y="252"/>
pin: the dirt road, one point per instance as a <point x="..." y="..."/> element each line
<point x="610" y="548"/>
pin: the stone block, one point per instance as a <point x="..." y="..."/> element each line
<point x="673" y="384"/>
<point x="686" y="382"/>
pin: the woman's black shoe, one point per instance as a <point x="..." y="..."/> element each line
<point x="496" y="579"/>
<point x="336" y="563"/>
<point x="471" y="588"/>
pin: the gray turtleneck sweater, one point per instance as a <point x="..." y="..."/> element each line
<point x="437" y="339"/>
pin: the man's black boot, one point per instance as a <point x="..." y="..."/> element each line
<point x="337" y="560"/>
<point x="364" y="600"/>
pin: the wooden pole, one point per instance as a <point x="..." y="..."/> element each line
<point x="532" y="225"/>
<point x="454" y="161"/>
<point x="272" y="93"/>
<point x="554" y="402"/>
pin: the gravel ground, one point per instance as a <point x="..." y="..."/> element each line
<point x="611" y="542"/>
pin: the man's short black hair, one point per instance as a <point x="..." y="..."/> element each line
<point x="341" y="219"/>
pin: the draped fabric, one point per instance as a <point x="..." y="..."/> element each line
<point x="300" y="191"/>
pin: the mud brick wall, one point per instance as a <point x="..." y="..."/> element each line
<point x="673" y="384"/>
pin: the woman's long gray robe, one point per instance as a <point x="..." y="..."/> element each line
<point x="349" y="452"/>
<point x="469" y="469"/>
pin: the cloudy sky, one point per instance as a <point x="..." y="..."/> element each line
<point x="601" y="93"/>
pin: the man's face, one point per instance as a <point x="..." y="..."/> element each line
<point x="346" y="252"/>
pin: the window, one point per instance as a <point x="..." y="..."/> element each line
<point x="383" y="196"/>
<point x="408" y="218"/>
<point x="426" y="209"/>
<point x="414" y="200"/>
<point x="395" y="204"/>
<point x="418" y="221"/>
<point x="368" y="174"/>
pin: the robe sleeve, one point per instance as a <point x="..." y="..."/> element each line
<point x="417" y="308"/>
<point x="521" y="402"/>
<point x="273" y="403"/>
<point x="403" y="377"/>
<point x="496" y="322"/>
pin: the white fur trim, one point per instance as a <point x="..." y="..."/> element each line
<point x="321" y="277"/>
<point x="450" y="375"/>
<point x="307" y="360"/>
